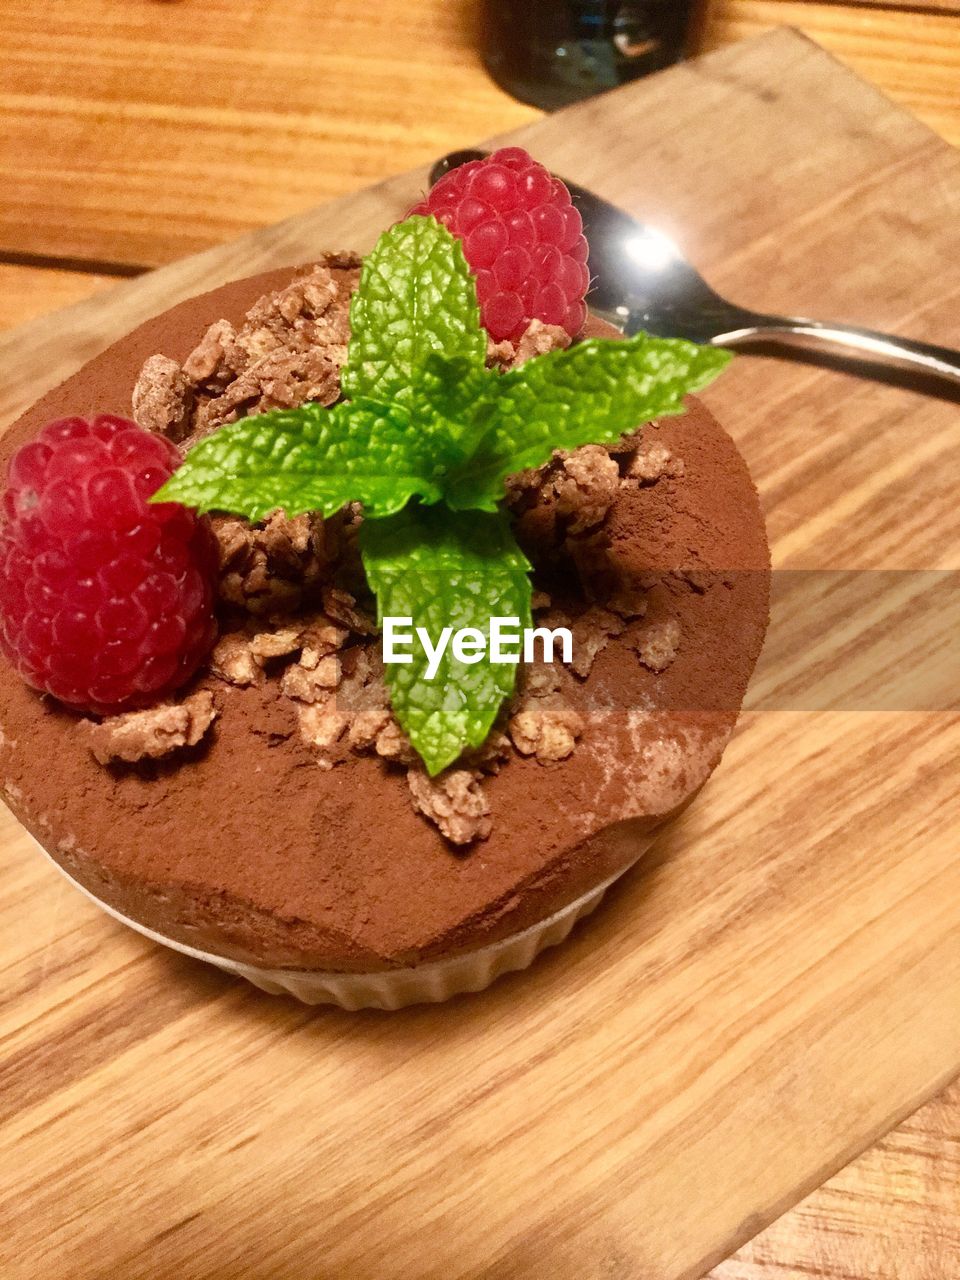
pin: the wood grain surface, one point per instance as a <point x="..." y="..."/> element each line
<point x="891" y="1215"/>
<point x="938" y="6"/>
<point x="27" y="292"/>
<point x="935" y="6"/>
<point x="599" y="1121"/>
<point x="137" y="131"/>
<point x="911" y="52"/>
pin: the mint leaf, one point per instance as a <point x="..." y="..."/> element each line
<point x="444" y="569"/>
<point x="456" y="395"/>
<point x="593" y="393"/>
<point x="416" y="296"/>
<point x="312" y="459"/>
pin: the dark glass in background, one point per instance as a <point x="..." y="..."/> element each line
<point x="554" y="52"/>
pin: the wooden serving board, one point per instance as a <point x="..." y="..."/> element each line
<point x="938" y="6"/>
<point x="774" y="987"/>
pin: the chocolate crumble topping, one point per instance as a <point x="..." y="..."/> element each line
<point x="292" y="590"/>
<point x="538" y="340"/>
<point x="585" y="483"/>
<point x="542" y="721"/>
<point x="278" y="564"/>
<point x="163" y="398"/>
<point x="454" y="801"/>
<point x="658" y="643"/>
<point x="151" y="734"/>
<point x="651" y="461"/>
<point x="289" y="349"/>
<point x="591" y="632"/>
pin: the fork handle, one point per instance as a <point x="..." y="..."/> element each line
<point x="847" y="339"/>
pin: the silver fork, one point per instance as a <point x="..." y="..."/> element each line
<point x="642" y="281"/>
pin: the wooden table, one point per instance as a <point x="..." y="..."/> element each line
<point x="132" y="134"/>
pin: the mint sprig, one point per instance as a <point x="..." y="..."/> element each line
<point x="425" y="419"/>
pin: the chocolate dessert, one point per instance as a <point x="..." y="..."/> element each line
<point x="273" y="809"/>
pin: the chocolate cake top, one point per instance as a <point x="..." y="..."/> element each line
<point x="239" y="843"/>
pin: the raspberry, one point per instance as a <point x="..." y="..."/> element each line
<point x="106" y="602"/>
<point x="522" y="238"/>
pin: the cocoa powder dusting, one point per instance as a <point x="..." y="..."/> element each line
<point x="241" y="844"/>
